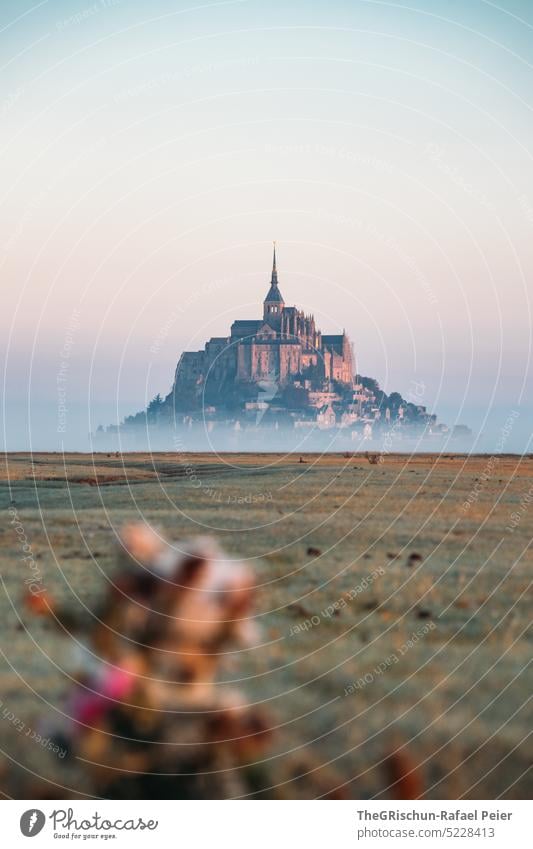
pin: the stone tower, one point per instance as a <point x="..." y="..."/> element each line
<point x="273" y="304"/>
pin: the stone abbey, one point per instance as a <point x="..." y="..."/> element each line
<point x="283" y="349"/>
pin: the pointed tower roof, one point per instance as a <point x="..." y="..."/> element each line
<point x="274" y="295"/>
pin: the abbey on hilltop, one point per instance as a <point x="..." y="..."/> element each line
<point x="282" y="350"/>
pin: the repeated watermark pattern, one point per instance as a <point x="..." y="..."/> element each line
<point x="34" y="581"/>
<point x="235" y="200"/>
<point x="334" y="608"/>
<point x="27" y="731"/>
<point x="523" y="506"/>
<point x="436" y="153"/>
<point x="180" y="310"/>
<point x="63" y="373"/>
<point x="200" y="481"/>
<point x="492" y="463"/>
<point x="86" y="14"/>
<point x="369" y="228"/>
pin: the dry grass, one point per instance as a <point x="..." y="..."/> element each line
<point x="454" y="704"/>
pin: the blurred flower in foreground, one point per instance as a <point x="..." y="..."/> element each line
<point x="146" y="715"/>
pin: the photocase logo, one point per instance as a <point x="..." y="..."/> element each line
<point x="32" y="822"/>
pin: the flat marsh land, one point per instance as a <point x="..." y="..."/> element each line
<point x="394" y="602"/>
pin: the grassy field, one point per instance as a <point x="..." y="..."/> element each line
<point x="394" y="601"/>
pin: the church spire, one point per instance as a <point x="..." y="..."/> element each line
<point x="273" y="303"/>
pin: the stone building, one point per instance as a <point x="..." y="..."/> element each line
<point x="281" y="351"/>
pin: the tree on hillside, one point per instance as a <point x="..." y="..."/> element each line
<point x="395" y="401"/>
<point x="154" y="408"/>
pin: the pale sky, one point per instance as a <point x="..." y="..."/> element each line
<point x="151" y="152"/>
